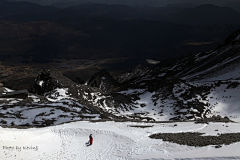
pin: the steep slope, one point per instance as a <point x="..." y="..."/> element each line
<point x="220" y="64"/>
<point x="197" y="86"/>
<point x="186" y="88"/>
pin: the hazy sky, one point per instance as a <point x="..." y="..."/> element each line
<point x="137" y="2"/>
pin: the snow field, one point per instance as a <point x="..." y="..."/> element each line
<point x="111" y="140"/>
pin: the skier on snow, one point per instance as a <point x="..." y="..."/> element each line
<point x="90" y="139"/>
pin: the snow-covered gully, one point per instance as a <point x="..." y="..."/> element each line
<point x="112" y="141"/>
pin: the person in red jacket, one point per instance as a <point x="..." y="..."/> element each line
<point x="90" y="139"/>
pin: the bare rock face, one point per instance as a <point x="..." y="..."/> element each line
<point x="49" y="80"/>
<point x="102" y="80"/>
<point x="132" y="73"/>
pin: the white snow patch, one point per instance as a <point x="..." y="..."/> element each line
<point x="41" y="83"/>
<point x="58" y="94"/>
<point x="35" y="98"/>
<point x="8" y="90"/>
<point x="161" y="74"/>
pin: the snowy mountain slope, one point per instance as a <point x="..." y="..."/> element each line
<point x="173" y="99"/>
<point x="35" y="111"/>
<point x="216" y="64"/>
<point x="187" y="86"/>
<point x="55" y="107"/>
<point x="193" y="87"/>
<point x="185" y="100"/>
<point x="112" y="140"/>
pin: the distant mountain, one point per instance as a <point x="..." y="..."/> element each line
<point x="185" y="13"/>
<point x="176" y="13"/>
<point x="206" y="14"/>
<point x="152" y="3"/>
<point x="42" y="42"/>
<point x="182" y="5"/>
<point x="23" y="8"/>
<point x="40" y="2"/>
<point x="102" y="30"/>
<point x="233" y="5"/>
<point x="68" y="4"/>
<point x="194" y="87"/>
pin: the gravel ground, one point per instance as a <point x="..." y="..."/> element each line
<point x="140" y="126"/>
<point x="214" y="118"/>
<point x="196" y="139"/>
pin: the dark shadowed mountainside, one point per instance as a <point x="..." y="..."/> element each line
<point x="42" y="41"/>
<point x="23" y="8"/>
<point x="233" y="5"/>
<point x="152" y="3"/>
<point x="85" y="38"/>
<point x="199" y="15"/>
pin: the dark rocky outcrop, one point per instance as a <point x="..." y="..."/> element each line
<point x="102" y="80"/>
<point x="49" y="80"/>
<point x="78" y="80"/>
<point x="132" y="73"/>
